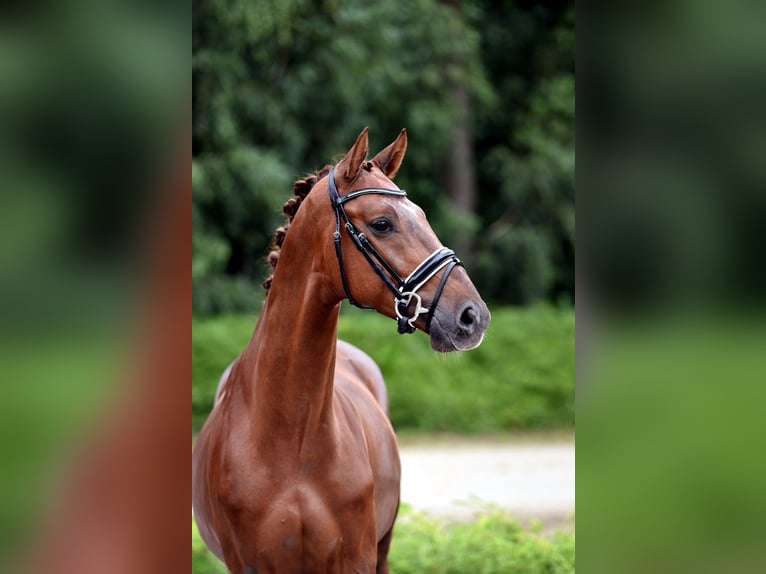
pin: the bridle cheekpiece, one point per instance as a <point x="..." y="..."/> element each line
<point x="405" y="290"/>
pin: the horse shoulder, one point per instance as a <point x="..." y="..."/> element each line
<point x="361" y="395"/>
<point x="355" y="361"/>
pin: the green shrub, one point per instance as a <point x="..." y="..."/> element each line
<point x="521" y="377"/>
<point x="215" y="344"/>
<point x="217" y="294"/>
<point x="493" y="544"/>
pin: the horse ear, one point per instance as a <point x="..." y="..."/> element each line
<point x="355" y="156"/>
<point x="390" y="158"/>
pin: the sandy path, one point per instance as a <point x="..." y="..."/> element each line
<point x="532" y="480"/>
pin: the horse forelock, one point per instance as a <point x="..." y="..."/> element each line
<point x="301" y="189"/>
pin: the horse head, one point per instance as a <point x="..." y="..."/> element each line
<point x="383" y="253"/>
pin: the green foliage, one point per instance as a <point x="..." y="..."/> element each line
<point x="281" y="88"/>
<point x="493" y="544"/>
<point x="215" y="344"/>
<point x="526" y="153"/>
<point x="521" y="377"/>
<point x="219" y="293"/>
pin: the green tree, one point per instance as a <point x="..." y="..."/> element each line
<point x="281" y="88"/>
<point x="525" y="148"/>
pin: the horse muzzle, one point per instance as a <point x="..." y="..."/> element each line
<point x="459" y="328"/>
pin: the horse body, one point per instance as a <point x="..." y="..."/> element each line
<point x="298" y="460"/>
<point x="297" y="470"/>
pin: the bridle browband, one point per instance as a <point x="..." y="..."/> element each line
<point x="404" y="290"/>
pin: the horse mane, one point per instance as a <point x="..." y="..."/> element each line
<point x="301" y="189"/>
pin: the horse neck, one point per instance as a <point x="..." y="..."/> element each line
<point x="290" y="361"/>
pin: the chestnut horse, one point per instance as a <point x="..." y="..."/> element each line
<point x="297" y="469"/>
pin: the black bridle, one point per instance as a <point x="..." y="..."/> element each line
<point x="404" y="290"/>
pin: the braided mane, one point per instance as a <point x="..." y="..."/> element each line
<point x="301" y="189"/>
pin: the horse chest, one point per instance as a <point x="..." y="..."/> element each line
<point x="302" y="514"/>
<point x="307" y="524"/>
<point x="319" y="492"/>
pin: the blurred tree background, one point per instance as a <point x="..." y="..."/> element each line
<point x="485" y="89"/>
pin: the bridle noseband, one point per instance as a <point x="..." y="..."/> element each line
<point x="404" y="290"/>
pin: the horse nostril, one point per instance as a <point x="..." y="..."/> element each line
<point x="469" y="317"/>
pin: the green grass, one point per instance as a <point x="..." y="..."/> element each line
<point x="493" y="544"/>
<point x="521" y="377"/>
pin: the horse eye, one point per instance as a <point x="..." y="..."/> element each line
<point x="382" y="226"/>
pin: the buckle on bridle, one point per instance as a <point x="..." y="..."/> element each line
<point x="401" y="304"/>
